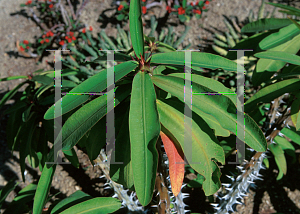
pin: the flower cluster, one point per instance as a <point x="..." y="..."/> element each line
<point x="84" y="30"/>
<point x="47" y="37"/>
<point x="25" y="45"/>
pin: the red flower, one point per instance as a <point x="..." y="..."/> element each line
<point x="71" y="33"/>
<point x="203" y="7"/>
<point x="28" y="2"/>
<point x="49" y="0"/>
<point x="83" y="31"/>
<point x="27" y="47"/>
<point x="47" y="40"/>
<point x="62" y="42"/>
<point x="69" y="40"/>
<point x="207" y="2"/>
<point x="22" y="49"/>
<point x="143" y="0"/>
<point x="197" y="11"/>
<point x="42" y="41"/>
<point x="51" y="5"/>
<point x="169" y="9"/>
<point x="120" y="7"/>
<point x="91" y="28"/>
<point x="73" y="38"/>
<point x="66" y="37"/>
<point x="43" y="36"/>
<point x="144" y="9"/>
<point x="181" y="11"/>
<point x="25" y="42"/>
<point x="50" y="33"/>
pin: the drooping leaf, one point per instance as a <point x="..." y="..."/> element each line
<point x="271" y="92"/>
<point x="278" y="55"/>
<point x="136" y="27"/>
<point x="95" y="206"/>
<point x="286" y="7"/>
<point x="10" y="94"/>
<point x="144" y="128"/>
<point x="85" y="118"/>
<point x="283" y="35"/>
<point x="43" y="189"/>
<point x="290" y="47"/>
<point x="13" y="78"/>
<point x="205" y="60"/>
<point x="218" y="106"/>
<point x="203" y="148"/>
<point x="265" y="24"/>
<point x="75" y="198"/>
<point x="286" y="146"/>
<point x="295" y="112"/>
<point x="94" y="84"/>
<point x="279" y="159"/>
<point x="176" y="163"/>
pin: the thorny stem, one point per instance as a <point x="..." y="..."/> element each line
<point x="71" y="8"/>
<point x="38" y="21"/>
<point x="78" y="13"/>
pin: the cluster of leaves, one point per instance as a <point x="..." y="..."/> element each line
<point x="150" y="107"/>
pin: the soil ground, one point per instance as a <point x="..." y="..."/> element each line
<point x="270" y="196"/>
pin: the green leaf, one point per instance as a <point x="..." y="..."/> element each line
<point x="96" y="83"/>
<point x="10" y="186"/>
<point x="218" y="106"/>
<point x="271" y="92"/>
<point x="265" y="24"/>
<point x="291" y="47"/>
<point x="85" y="118"/>
<point x="295" y="111"/>
<point x="75" y="198"/>
<point x="13" y="78"/>
<point x="43" y="189"/>
<point x="18" y="205"/>
<point x="123" y="173"/>
<point x="205" y="60"/>
<point x="283" y="35"/>
<point x="10" y="94"/>
<point x="204" y="145"/>
<point x="286" y="145"/>
<point x="286" y="7"/>
<point x="144" y="129"/>
<point x="279" y="159"/>
<point x="43" y="79"/>
<point x="119" y="57"/>
<point x="95" y="206"/>
<point x="136" y="27"/>
<point x="278" y="55"/>
<point x="291" y="134"/>
<point x="72" y="157"/>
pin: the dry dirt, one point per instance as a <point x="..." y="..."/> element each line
<point x="269" y="196"/>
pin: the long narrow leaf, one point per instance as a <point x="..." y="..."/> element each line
<point x="144" y="130"/>
<point x="278" y="55"/>
<point x="265" y="24"/>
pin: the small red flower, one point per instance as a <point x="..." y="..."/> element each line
<point x="49" y="0"/>
<point x="50" y="33"/>
<point x="83" y="31"/>
<point x="207" y="2"/>
<point x="51" y="5"/>
<point x="181" y="11"/>
<point x="144" y="9"/>
<point x="46" y="40"/>
<point x="28" y="2"/>
<point x="71" y="33"/>
<point x="203" y="7"/>
<point x="22" y="49"/>
<point x="69" y="40"/>
<point x="44" y="36"/>
<point x="73" y="38"/>
<point x="62" y="42"/>
<point x="91" y="28"/>
<point x="25" y="42"/>
<point x="27" y="47"/>
<point x="143" y="0"/>
<point x="169" y="9"/>
<point x="192" y="3"/>
<point x="42" y="41"/>
<point x="66" y="37"/>
<point x="120" y="7"/>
